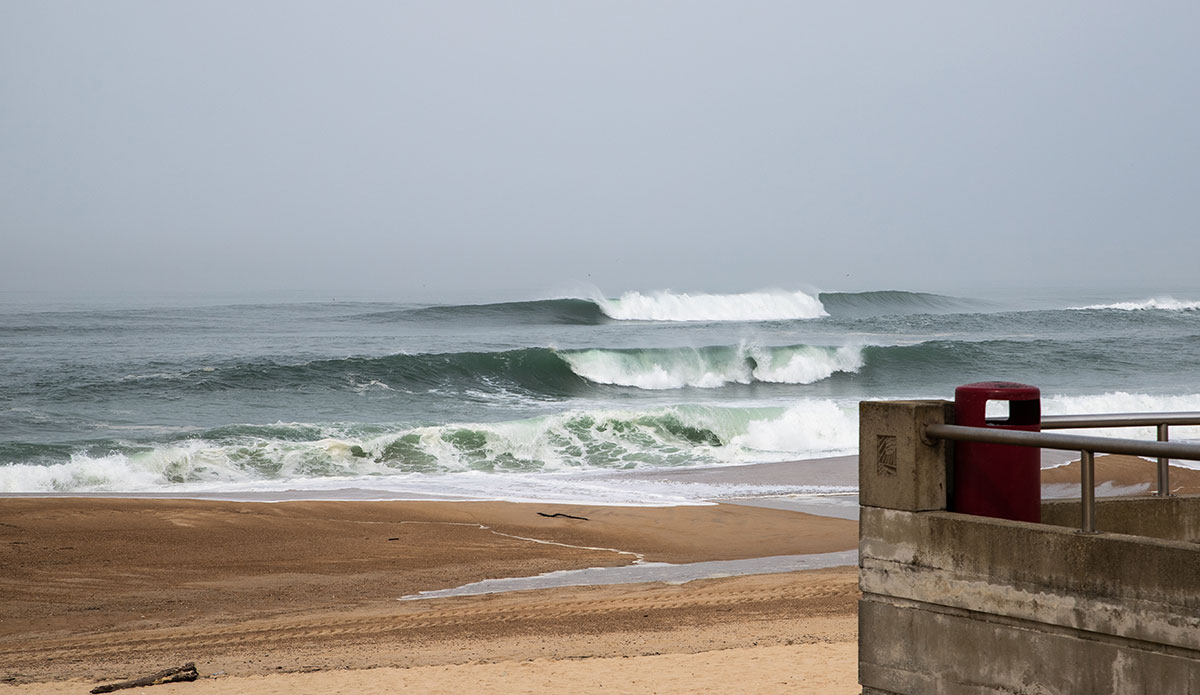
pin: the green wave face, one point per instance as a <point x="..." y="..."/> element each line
<point x="533" y="370"/>
<point x="893" y="303"/>
<point x="541" y="371"/>
<point x="567" y="311"/>
<point x="681" y="307"/>
<point x="546" y="373"/>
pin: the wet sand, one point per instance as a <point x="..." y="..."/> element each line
<point x="1119" y="474"/>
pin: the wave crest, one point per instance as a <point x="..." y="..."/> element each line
<point x="544" y="372"/>
<point x="751" y="306"/>
<point x="664" y="305"/>
<point x="893" y="303"/>
<point x="1154" y="303"/>
<point x="713" y="367"/>
<point x="568" y="311"/>
<point x="248" y="457"/>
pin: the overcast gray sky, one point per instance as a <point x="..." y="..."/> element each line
<point x="425" y="149"/>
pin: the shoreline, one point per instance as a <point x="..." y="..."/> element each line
<point x="820" y="476"/>
<point x="705" y="485"/>
<point x="287" y="594"/>
<point x="825" y="486"/>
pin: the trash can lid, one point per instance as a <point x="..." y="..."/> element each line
<point x="1001" y="390"/>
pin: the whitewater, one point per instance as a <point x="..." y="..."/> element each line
<point x="752" y="306"/>
<point x="587" y="398"/>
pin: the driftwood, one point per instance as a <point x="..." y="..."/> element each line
<point x="187" y="672"/>
<point x="560" y="515"/>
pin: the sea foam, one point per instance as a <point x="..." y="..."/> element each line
<point x="751" y="306"/>
<point x="1122" y="402"/>
<point x="1154" y="303"/>
<point x="713" y="367"/>
<point x="435" y="459"/>
<point x="568" y="456"/>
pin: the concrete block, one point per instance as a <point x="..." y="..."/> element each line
<point x="916" y="651"/>
<point x="1125" y="586"/>
<point x="954" y="604"/>
<point x="1055" y="558"/>
<point x="1168" y="518"/>
<point x="896" y="468"/>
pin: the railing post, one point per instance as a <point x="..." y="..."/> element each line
<point x="1164" y="465"/>
<point x="898" y="467"/>
<point x="1087" y="496"/>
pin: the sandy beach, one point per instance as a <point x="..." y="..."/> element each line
<point x="100" y="590"/>
<point x="1119" y="474"/>
<point x="302" y="596"/>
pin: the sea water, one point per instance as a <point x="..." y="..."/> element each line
<point x="557" y="399"/>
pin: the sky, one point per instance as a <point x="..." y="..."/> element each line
<point x="424" y="150"/>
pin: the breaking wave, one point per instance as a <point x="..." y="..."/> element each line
<point x="549" y="373"/>
<point x="1155" y="303"/>
<point x="544" y="372"/>
<point x="667" y="306"/>
<point x="712" y="367"/>
<point x="460" y="458"/>
<point x="579" y="440"/>
<point x="893" y="303"/>
<point x="751" y="306"/>
<point x="567" y="311"/>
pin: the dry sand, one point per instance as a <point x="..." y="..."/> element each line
<point x="116" y="588"/>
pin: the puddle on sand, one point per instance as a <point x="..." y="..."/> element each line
<point x="648" y="572"/>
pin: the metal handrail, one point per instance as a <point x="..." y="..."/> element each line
<point x="1066" y="422"/>
<point x="1160" y="421"/>
<point x="1086" y="445"/>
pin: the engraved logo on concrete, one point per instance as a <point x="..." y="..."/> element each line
<point x="885" y="454"/>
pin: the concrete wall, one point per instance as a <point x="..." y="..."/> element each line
<point x="963" y="604"/>
<point x="1168" y="518"/>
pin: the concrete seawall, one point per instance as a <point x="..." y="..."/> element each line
<point x="954" y="603"/>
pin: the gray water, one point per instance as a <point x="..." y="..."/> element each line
<point x="648" y="572"/>
<point x="537" y="400"/>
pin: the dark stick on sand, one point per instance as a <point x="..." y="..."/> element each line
<point x="187" y="672"/>
<point x="560" y="515"/>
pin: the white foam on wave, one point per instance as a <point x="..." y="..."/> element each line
<point x="807" y="364"/>
<point x="373" y="384"/>
<point x="195" y="463"/>
<point x="680" y="368"/>
<point x="815" y="427"/>
<point x="571" y="456"/>
<point x="478" y="460"/>
<point x="87" y="475"/>
<point x="658" y="370"/>
<point x="1154" y="303"/>
<point x="751" y="306"/>
<point x="126" y="472"/>
<point x="1123" y="402"/>
<point x="1119" y="402"/>
<point x="565" y="487"/>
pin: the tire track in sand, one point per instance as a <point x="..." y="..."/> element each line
<point x="504" y="611"/>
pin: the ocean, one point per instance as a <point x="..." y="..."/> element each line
<point x="577" y="399"/>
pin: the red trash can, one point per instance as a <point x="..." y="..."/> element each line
<point x="998" y="480"/>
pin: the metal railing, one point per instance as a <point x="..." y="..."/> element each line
<point x="1160" y="421"/>
<point x="1089" y="446"/>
